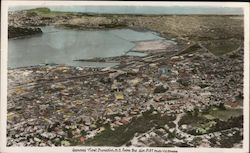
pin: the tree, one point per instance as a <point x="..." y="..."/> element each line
<point x="222" y="106"/>
<point x="196" y="112"/>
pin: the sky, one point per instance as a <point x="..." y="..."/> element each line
<point x="140" y="9"/>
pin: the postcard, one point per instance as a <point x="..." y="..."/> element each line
<point x="109" y="76"/>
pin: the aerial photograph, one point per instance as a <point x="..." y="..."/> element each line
<point x="125" y="76"/>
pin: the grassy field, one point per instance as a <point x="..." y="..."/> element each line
<point x="205" y="122"/>
<point x="224" y="114"/>
<point x="220" y="47"/>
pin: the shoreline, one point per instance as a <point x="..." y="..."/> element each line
<point x="143" y="22"/>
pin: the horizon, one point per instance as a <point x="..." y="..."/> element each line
<point x="154" y="10"/>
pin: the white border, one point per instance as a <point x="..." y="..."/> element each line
<point x="4" y="43"/>
<point x="124" y="3"/>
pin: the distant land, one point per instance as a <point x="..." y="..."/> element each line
<point x="139" y="9"/>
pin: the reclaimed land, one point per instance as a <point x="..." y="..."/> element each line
<point x="191" y="97"/>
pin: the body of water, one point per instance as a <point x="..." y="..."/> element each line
<point x="61" y="46"/>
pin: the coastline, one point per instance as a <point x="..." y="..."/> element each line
<point x="190" y="27"/>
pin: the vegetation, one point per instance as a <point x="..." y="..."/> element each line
<point x="43" y="11"/>
<point x="228" y="142"/>
<point x="31" y="14"/>
<point x="220" y="47"/>
<point x="240" y="96"/>
<point x="226" y="114"/>
<point x="123" y="134"/>
<point x="212" y="120"/>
